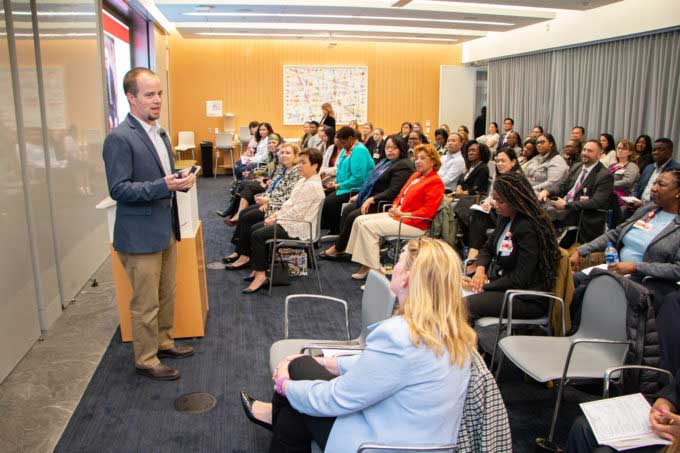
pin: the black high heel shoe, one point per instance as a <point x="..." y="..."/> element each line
<point x="247" y="401"/>
<point x="253" y="291"/>
<point x="230" y="259"/>
<point x="232" y="267"/>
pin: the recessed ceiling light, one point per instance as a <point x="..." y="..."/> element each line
<point x="203" y="8"/>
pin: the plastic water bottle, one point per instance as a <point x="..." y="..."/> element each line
<point x="610" y="254"/>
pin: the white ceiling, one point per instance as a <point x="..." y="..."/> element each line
<point x="423" y="21"/>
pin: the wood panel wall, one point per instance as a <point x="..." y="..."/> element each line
<point x="247" y="75"/>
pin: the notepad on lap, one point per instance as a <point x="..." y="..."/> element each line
<point x="622" y="423"/>
<point x="478" y="207"/>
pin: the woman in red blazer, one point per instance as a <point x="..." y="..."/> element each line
<point x="420" y="197"/>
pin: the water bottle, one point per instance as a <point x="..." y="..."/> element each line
<point x="610" y="254"/>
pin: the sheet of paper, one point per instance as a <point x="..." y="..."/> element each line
<point x="587" y="270"/>
<point x="622" y="422"/>
<point x="630" y="199"/>
<point x="478" y="207"/>
<point x="337" y="352"/>
<point x="467" y="292"/>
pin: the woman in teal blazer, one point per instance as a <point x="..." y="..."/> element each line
<point x="407" y="387"/>
<point x="353" y="167"/>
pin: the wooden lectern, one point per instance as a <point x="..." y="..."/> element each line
<point x="191" y="299"/>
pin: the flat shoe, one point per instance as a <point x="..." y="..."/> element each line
<point x="326" y="256"/>
<point x="247" y="403"/>
<point x="230" y="222"/>
<point x="221" y="213"/>
<point x="359" y="276"/>
<point x="253" y="291"/>
<point x="231" y="267"/>
<point x="177" y="352"/>
<point x="229" y="259"/>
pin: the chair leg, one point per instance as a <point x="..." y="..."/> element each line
<point x="500" y="365"/>
<point x="271" y="268"/>
<point x="315" y="264"/>
<point x="217" y="158"/>
<point x="233" y="166"/>
<point x="553" y="423"/>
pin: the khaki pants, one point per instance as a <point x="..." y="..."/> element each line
<point x="364" y="241"/>
<point x="152" y="276"/>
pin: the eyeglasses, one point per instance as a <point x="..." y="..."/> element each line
<point x="541" y="142"/>
<point x="390" y="147"/>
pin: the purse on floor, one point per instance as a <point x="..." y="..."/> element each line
<point x="281" y="276"/>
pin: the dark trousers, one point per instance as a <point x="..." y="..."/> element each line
<point x="250" y="189"/>
<point x="293" y="431"/>
<point x="346" y="222"/>
<point x="332" y="207"/>
<point x="248" y="217"/>
<point x="259" y="234"/>
<point x="241" y="167"/>
<point x="582" y="440"/>
<point x="667" y="312"/>
<point x="488" y="303"/>
<point x="479" y="223"/>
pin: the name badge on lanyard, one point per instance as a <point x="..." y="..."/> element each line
<point x="506" y="245"/>
<point x="645" y="225"/>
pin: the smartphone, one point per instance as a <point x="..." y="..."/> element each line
<point x="192" y="171"/>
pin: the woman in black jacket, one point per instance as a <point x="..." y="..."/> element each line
<point x="476" y="180"/>
<point x="522" y="254"/>
<point x="382" y="185"/>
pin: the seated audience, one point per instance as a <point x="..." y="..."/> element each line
<point x="277" y="192"/>
<point x="490" y="139"/>
<point x="417" y="127"/>
<point x="608" y="149"/>
<point x="572" y="153"/>
<point x="305" y="134"/>
<point x="521" y="254"/>
<point x="327" y="136"/>
<point x="414" y="139"/>
<point x="643" y="151"/>
<point x="406" y="129"/>
<point x="379" y="151"/>
<point x="648" y="241"/>
<point x="578" y="134"/>
<point x="252" y="144"/>
<point x="313" y="141"/>
<point x="440" y="138"/>
<point x="508" y="124"/>
<point x="420" y="197"/>
<point x="663" y="418"/>
<point x="536" y="132"/>
<point x="587" y="189"/>
<point x="382" y="185"/>
<point x="408" y="386"/>
<point x="662" y="153"/>
<point x="479" y="222"/>
<point x="475" y="181"/>
<point x="529" y="151"/>
<point x="625" y="171"/>
<point x="328" y="116"/>
<point x="247" y="163"/>
<point x="512" y="140"/>
<point x="354" y="124"/>
<point x="330" y="158"/>
<point x="453" y="164"/>
<point x="463" y="128"/>
<point x="367" y="137"/>
<point x="548" y="169"/>
<point x="354" y="165"/>
<point x="302" y="206"/>
<point x="445" y="127"/>
<point x="247" y="189"/>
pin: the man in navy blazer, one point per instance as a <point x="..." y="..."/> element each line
<point x="141" y="177"/>
<point x="662" y="153"/>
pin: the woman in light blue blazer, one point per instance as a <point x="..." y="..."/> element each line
<point x="407" y="387"/>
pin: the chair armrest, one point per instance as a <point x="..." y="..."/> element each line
<point x="384" y="206"/>
<point x="365" y="447"/>
<point x="609" y="371"/>
<point x="512" y="293"/>
<point x="336" y="346"/>
<point x="315" y="297"/>
<point x="578" y="341"/>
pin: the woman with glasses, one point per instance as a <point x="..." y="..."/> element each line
<point x="382" y="185"/>
<point x="625" y="171"/>
<point x="548" y="169"/>
<point x="407" y="387"/>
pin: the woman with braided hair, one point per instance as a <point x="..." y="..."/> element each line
<point x="522" y="254"/>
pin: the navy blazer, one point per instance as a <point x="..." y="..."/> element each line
<point x="647" y="173"/>
<point x="146" y="213"/>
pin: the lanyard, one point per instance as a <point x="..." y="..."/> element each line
<point x="277" y="181"/>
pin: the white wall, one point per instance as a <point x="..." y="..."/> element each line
<point x="576" y="27"/>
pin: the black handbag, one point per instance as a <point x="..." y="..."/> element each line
<point x="280" y="277"/>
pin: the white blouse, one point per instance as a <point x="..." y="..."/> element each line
<point x="304" y="204"/>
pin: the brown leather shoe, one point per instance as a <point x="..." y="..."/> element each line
<point x="176" y="352"/>
<point x="160" y="372"/>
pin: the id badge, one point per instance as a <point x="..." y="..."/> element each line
<point x="376" y="155"/>
<point x="583" y="198"/>
<point x="641" y="224"/>
<point x="506" y="247"/>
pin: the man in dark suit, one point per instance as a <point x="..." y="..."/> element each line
<point x="587" y="189"/>
<point x="508" y="125"/>
<point x="662" y="153"/>
<point x="141" y="177"/>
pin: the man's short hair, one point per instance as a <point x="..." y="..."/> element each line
<point x="666" y="142"/>
<point x="597" y="142"/>
<point x="583" y="130"/>
<point x="509" y="119"/>
<point x="253" y="124"/>
<point x="130" y="79"/>
<point x="315" y="123"/>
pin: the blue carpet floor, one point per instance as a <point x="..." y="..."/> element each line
<point x="123" y="412"/>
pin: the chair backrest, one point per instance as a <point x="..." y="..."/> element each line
<point x="317" y="232"/>
<point x="603" y="312"/>
<point x="186" y="138"/>
<point x="244" y="134"/>
<point x="377" y="303"/>
<point x="224" y="140"/>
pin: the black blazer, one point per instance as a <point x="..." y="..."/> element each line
<point x="598" y="187"/>
<point x="380" y="148"/>
<point x="328" y="121"/>
<point x="477" y="181"/>
<point x="388" y="186"/>
<point x="520" y="268"/>
<point x="370" y="144"/>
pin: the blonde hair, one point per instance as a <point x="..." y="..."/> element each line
<point x="430" y="152"/>
<point x="296" y="150"/>
<point x="434" y="309"/>
<point x="329" y="109"/>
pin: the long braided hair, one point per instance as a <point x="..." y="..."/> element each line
<point x="517" y="192"/>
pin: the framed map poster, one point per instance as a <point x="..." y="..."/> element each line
<point x="305" y="88"/>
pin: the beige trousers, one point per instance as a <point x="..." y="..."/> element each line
<point x="152" y="276"/>
<point x="364" y="240"/>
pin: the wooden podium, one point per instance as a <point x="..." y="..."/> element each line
<point x="191" y="295"/>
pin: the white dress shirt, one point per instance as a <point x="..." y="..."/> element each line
<point x="453" y="166"/>
<point x="153" y="131"/>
